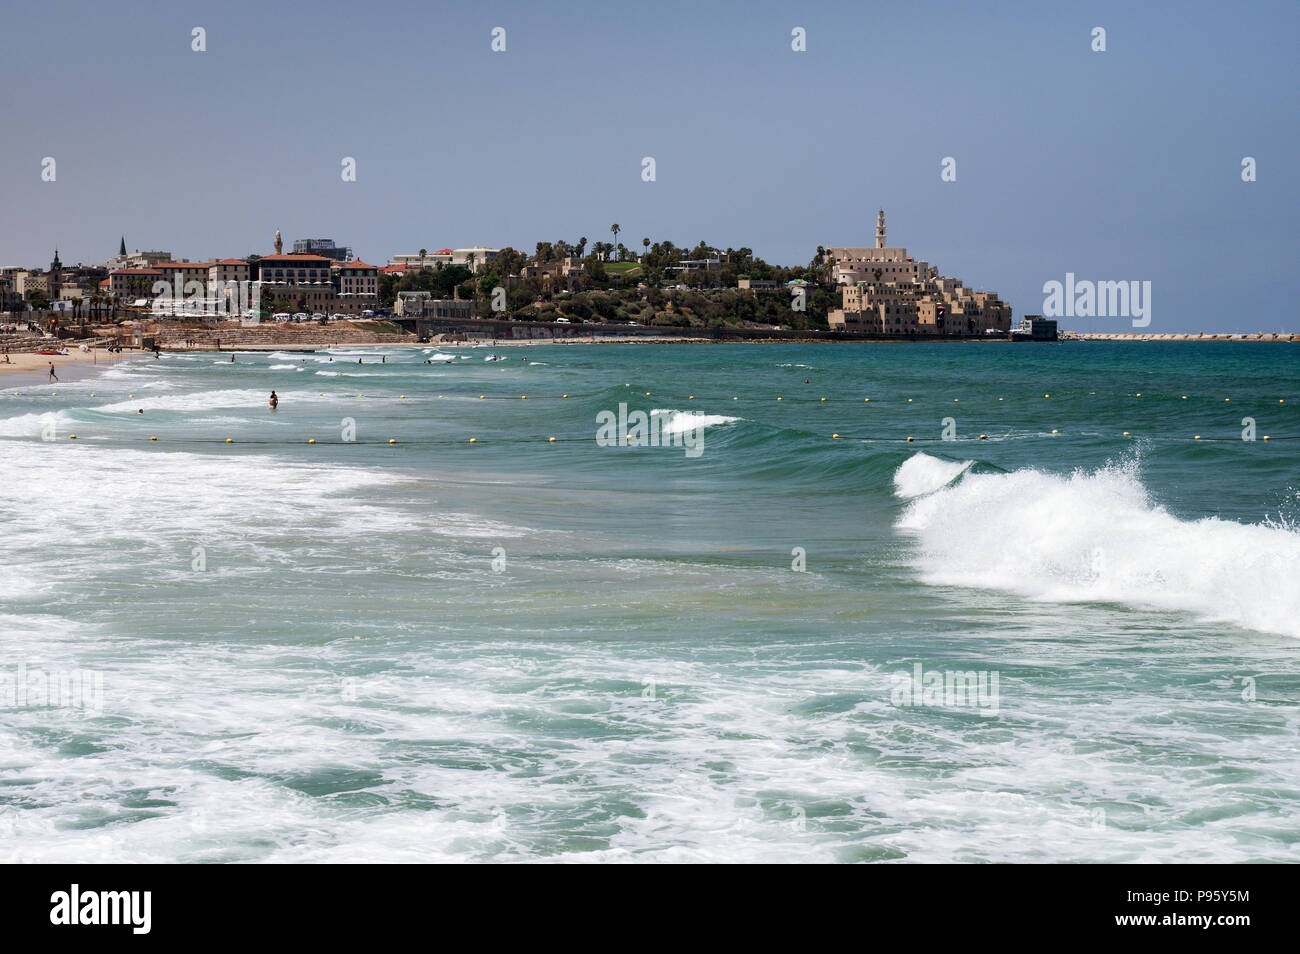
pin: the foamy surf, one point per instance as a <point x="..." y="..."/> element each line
<point x="679" y="422"/>
<point x="923" y="474"/>
<point x="1096" y="536"/>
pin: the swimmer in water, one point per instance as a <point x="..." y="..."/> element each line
<point x="274" y="402"/>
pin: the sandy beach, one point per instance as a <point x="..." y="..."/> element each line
<point x="75" y="364"/>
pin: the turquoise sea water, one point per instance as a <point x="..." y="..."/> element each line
<point x="518" y="650"/>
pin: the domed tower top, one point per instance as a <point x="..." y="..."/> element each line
<point x="279" y="243"/>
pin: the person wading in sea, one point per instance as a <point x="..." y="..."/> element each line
<point x="274" y="402"/>
<point x="53" y="376"/>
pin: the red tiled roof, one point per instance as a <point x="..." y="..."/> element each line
<point x="231" y="261"/>
<point x="394" y="268"/>
<point x="357" y="263"/>
<point x="443" y="251"/>
<point x="104" y="282"/>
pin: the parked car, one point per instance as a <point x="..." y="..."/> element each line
<point x="367" y="314"/>
<point x="561" y="321"/>
<point x="300" y="316"/>
<point x="281" y="316"/>
<point x="338" y="316"/>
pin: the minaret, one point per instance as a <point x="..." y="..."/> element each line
<point x="880" y="229"/>
<point x="122" y="249"/>
<point x="56" y="275"/>
<point x="279" y="243"/>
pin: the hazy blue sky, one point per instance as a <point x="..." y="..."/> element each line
<point x="1117" y="165"/>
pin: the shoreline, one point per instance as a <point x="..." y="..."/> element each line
<point x="73" y="366"/>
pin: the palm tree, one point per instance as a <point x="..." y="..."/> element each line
<point x="645" y="244"/>
<point x="423" y="252"/>
<point x="616" y="228"/>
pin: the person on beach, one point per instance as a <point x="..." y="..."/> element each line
<point x="53" y="376"/>
<point x="274" y="402"/>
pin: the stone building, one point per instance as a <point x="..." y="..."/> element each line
<point x="885" y="292"/>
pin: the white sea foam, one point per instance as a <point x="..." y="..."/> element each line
<point x="1098" y="537"/>
<point x="198" y="401"/>
<point x="679" y="422"/>
<point x="923" y="474"/>
<point x="30" y="425"/>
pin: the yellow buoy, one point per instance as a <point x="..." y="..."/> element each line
<point x="403" y="397"/>
<point x="955" y="400"/>
<point x="473" y="440"/>
<point x="1046" y="395"/>
<point x="551" y="440"/>
<point x="647" y="394"/>
<point x="866" y="400"/>
<point x="1184" y="397"/>
<point x="1280" y="401"/>
<point x="480" y="397"/>
<point x="230" y="440"/>
<point x="1055" y="431"/>
<point x="523" y="397"/>
<point x="312" y="441"/>
<point x="1139" y="394"/>
<point x="563" y="395"/>
<point x="778" y="399"/>
<point x="735" y="399"/>
<point x="1126" y="433"/>
<point x="391" y="441"/>
<point x="691" y="398"/>
<point x="909" y="439"/>
<point x="1265" y="437"/>
<point x="153" y="438"/>
<point x="999" y="399"/>
<point x="1227" y="399"/>
<point x="984" y="437"/>
<point x="823" y="400"/>
<point x="72" y="437"/>
<point x="835" y="437"/>
<point x="92" y="393"/>
<point x="1197" y="437"/>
